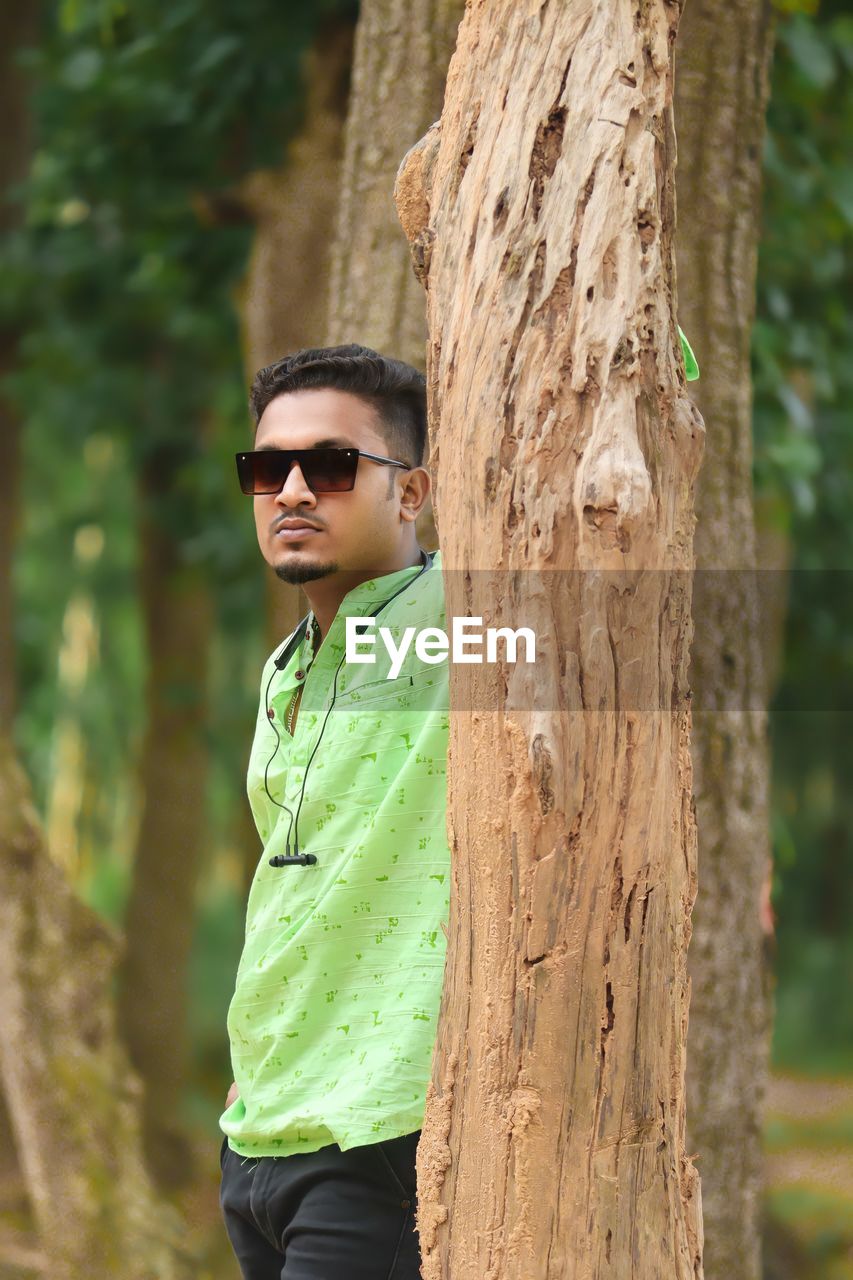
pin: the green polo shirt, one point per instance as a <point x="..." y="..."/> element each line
<point x="334" y="1015"/>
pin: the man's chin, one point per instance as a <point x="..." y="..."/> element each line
<point x="296" y="573"/>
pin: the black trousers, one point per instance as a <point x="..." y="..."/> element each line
<point x="324" y="1215"/>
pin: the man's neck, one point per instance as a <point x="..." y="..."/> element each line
<point x="325" y="594"/>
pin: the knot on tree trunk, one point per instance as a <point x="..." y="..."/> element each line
<point x="413" y="188"/>
<point x="613" y="490"/>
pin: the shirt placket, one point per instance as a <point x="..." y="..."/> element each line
<point x="317" y="670"/>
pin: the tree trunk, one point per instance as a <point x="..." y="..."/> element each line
<point x="398" y="78"/>
<point x="73" y="1100"/>
<point x="722" y="89"/>
<point x="160" y="916"/>
<point x="18" y="30"/>
<point x="283" y="299"/>
<point x="553" y="1141"/>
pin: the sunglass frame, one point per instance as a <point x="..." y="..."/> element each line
<point x="245" y="467"/>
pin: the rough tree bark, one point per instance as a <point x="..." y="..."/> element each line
<point x="722" y="86"/>
<point x="160" y="916"/>
<point x="541" y="216"/>
<point x="73" y="1099"/>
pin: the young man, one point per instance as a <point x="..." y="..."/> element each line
<point x="333" y="1019"/>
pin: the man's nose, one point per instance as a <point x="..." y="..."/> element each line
<point x="295" y="492"/>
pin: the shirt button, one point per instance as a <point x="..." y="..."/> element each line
<point x="270" y="713"/>
<point x="300" y="675"/>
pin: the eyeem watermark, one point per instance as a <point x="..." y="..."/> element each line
<point x="432" y="645"/>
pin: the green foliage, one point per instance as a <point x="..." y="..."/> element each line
<point x="819" y="1221"/>
<point x="130" y="379"/>
<point x="803" y="385"/>
<point x="822" y="1132"/>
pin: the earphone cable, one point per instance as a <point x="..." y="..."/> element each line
<point x="294" y="825"/>
<point x="273" y="726"/>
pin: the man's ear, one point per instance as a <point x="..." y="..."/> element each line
<point x="414" y="493"/>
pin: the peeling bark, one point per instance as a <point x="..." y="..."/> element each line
<point x="541" y="216"/>
<point x="73" y="1100"/>
<point x="722" y="88"/>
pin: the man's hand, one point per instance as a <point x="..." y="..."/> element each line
<point x="233" y="1093"/>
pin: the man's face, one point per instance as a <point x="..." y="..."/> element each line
<point x="305" y="535"/>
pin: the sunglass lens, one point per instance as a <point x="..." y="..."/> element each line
<point x="329" y="470"/>
<point x="261" y="472"/>
<point x="324" y="470"/>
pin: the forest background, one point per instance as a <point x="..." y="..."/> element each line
<point x="148" y="138"/>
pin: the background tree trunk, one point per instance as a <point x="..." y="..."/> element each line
<point x="399" y="72"/>
<point x="283" y="298"/>
<point x="160" y="916"/>
<point x="398" y="77"/>
<point x="73" y="1099"/>
<point x="553" y="1141"/>
<point x="282" y="302"/>
<point x="18" y="29"/>
<point x="722" y="86"/>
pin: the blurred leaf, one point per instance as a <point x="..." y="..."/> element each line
<point x="810" y="52"/>
<point x="217" y="52"/>
<point x="802" y="353"/>
<point x="842" y="193"/>
<point x="796" y="6"/>
<point x="82" y="69"/>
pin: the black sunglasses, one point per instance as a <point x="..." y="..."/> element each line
<point x="324" y="470"/>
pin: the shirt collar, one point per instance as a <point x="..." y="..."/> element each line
<point x="362" y="601"/>
<point x="374" y="592"/>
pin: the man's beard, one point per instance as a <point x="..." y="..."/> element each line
<point x="296" y="574"/>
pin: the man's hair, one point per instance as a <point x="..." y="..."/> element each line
<point x="394" y="390"/>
